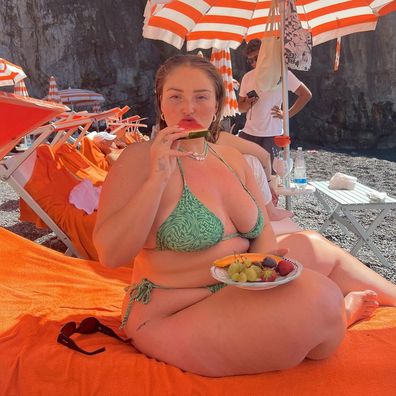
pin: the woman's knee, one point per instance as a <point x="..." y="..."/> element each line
<point x="329" y="298"/>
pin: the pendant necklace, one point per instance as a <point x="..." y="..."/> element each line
<point x="198" y="156"/>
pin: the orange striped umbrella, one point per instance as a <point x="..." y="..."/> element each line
<point x="222" y="60"/>
<point x="10" y="73"/>
<point x="80" y="97"/>
<point x="225" y="24"/>
<point x="53" y="95"/>
<point x="383" y="7"/>
<point x="20" y="89"/>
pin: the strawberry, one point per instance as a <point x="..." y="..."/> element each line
<point x="284" y="267"/>
<point x="268" y="275"/>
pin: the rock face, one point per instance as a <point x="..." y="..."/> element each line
<point x="98" y="45"/>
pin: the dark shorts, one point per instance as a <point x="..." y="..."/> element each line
<point x="266" y="143"/>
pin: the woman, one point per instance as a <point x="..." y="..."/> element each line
<point x="175" y="205"/>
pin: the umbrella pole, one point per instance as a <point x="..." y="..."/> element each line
<point x="285" y="93"/>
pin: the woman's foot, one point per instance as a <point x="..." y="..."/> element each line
<point x="360" y="305"/>
<point x="277" y="214"/>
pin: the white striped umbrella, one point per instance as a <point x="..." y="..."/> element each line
<point x="383" y="7"/>
<point x="225" y="24"/>
<point x="53" y="95"/>
<point x="10" y="73"/>
<point x="222" y="60"/>
<point x="80" y="97"/>
<point x="20" y="89"/>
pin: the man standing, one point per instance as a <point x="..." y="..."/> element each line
<point x="264" y="113"/>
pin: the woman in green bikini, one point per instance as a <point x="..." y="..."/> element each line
<point x="174" y="205"/>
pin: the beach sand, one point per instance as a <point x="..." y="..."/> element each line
<point x="377" y="173"/>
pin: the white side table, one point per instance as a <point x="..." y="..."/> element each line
<point x="346" y="203"/>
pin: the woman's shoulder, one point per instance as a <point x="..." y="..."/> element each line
<point x="230" y="154"/>
<point x="136" y="152"/>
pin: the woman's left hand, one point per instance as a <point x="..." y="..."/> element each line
<point x="280" y="252"/>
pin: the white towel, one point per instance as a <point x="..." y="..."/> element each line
<point x="85" y="196"/>
<point x="340" y="181"/>
<point x="376" y="196"/>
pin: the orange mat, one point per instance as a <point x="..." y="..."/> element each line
<point x="41" y="289"/>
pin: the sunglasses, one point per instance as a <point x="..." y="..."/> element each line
<point x="252" y="60"/>
<point x="87" y="326"/>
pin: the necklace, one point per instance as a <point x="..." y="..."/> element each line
<point x="198" y="156"/>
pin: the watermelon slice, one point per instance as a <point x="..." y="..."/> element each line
<point x="197" y="130"/>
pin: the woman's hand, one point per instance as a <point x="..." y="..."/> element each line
<point x="276" y="112"/>
<point x="164" y="150"/>
<point x="280" y="252"/>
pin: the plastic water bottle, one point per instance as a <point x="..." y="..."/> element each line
<point x="300" y="172"/>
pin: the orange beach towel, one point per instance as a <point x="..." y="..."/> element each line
<point x="41" y="289"/>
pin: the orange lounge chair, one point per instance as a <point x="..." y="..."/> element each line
<point x="49" y="186"/>
<point x="41" y="290"/>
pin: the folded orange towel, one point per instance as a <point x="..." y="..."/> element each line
<point x="79" y="165"/>
<point x="92" y="152"/>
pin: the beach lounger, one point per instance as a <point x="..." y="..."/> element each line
<point x="39" y="177"/>
<point x="49" y="186"/>
<point x="41" y="290"/>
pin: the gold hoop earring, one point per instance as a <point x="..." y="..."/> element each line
<point x="214" y="118"/>
<point x="162" y="117"/>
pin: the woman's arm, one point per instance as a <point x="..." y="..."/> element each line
<point x="246" y="147"/>
<point x="128" y="205"/>
<point x="131" y="196"/>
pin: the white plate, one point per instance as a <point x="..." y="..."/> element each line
<point x="221" y="274"/>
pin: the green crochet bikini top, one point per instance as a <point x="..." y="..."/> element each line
<point x="192" y="226"/>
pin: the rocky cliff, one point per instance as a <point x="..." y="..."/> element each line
<point x="98" y="45"/>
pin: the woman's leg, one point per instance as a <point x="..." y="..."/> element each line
<point x="356" y="281"/>
<point x="238" y="331"/>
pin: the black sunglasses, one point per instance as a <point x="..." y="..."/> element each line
<point x="87" y="326"/>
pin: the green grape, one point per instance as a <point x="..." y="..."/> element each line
<point x="257" y="269"/>
<point x="235" y="277"/>
<point x="234" y="268"/>
<point x="242" y="277"/>
<point x="251" y="274"/>
<point x="247" y="263"/>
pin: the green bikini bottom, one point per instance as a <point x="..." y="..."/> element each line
<point x="142" y="292"/>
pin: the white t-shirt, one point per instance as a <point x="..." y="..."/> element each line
<point x="259" y="121"/>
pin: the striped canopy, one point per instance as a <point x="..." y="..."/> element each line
<point x="20" y="89"/>
<point x="383" y="7"/>
<point x="80" y="97"/>
<point x="10" y="74"/>
<point x="222" y="60"/>
<point x="225" y="24"/>
<point x="53" y="95"/>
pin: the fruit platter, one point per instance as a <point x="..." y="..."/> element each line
<point x="255" y="271"/>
